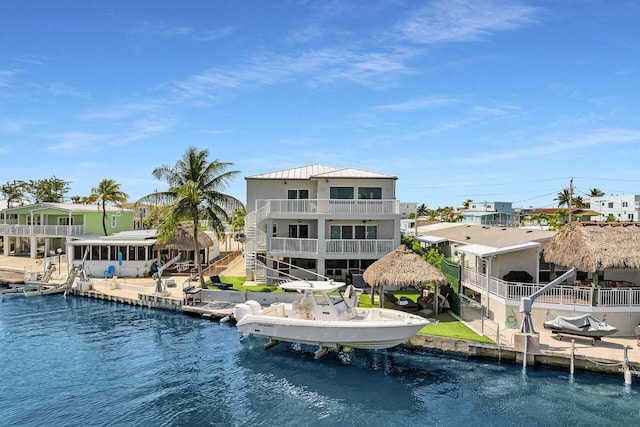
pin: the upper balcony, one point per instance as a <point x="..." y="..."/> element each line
<point x="292" y="247"/>
<point x="41" y="230"/>
<point x="329" y="206"/>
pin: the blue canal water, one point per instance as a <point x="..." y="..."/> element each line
<point x="79" y="362"/>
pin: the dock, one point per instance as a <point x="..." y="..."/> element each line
<point x="606" y="356"/>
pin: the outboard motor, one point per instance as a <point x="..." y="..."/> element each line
<point x="245" y="308"/>
<point x="240" y="311"/>
<point x="255" y="306"/>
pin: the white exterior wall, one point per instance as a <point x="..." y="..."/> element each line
<point x="319" y="222"/>
<point x="621" y="207"/>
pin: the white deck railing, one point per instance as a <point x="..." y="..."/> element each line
<point x="330" y="206"/>
<point x="359" y="247"/>
<point x="619" y="297"/>
<point x="564" y="295"/>
<point x="283" y="245"/>
<point x="41" y="230"/>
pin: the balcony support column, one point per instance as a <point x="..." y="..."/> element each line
<point x="321" y="248"/>
<point x="34" y="247"/>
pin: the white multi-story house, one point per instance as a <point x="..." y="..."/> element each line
<point x="625" y="207"/>
<point x="331" y="221"/>
<point x="488" y="213"/>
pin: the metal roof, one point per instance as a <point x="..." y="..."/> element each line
<point x="318" y="171"/>
<point x="303" y="172"/>
<point x="495" y="237"/>
<point x="488" y="251"/>
<point x="431" y="240"/>
<point x="103" y="242"/>
<point x="67" y="207"/>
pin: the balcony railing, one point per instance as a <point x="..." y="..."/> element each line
<point x="359" y="247"/>
<point x="41" y="230"/>
<point x="565" y="295"/>
<point x="330" y="206"/>
<point x="283" y="245"/>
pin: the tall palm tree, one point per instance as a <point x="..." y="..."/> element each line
<point x="422" y="210"/>
<point x="194" y="194"/>
<point x="564" y="198"/>
<point x="107" y="191"/>
<point x="596" y="192"/>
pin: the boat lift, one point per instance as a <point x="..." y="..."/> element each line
<point x="161" y="288"/>
<point x="526" y="303"/>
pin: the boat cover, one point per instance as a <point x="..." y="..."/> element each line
<point x="581" y="325"/>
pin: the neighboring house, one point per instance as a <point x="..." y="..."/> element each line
<point x="500" y="265"/>
<point x="619" y="207"/>
<point x="41" y="229"/>
<point x="407" y="209"/>
<point x="131" y="253"/>
<point x="488" y="213"/>
<point x="562" y="215"/>
<point x="141" y="212"/>
<point x="330" y="221"/>
<point x="407" y="226"/>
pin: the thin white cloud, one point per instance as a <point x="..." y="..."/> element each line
<point x="323" y="66"/>
<point x="148" y="29"/>
<point x="17" y="125"/>
<point x="600" y="137"/>
<point x="75" y="142"/>
<point x="419" y="104"/>
<point x="121" y="111"/>
<point x="444" y="21"/>
<point x="6" y="77"/>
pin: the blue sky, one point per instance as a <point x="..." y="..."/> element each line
<point x="481" y="100"/>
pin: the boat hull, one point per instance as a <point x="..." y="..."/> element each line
<point x="359" y="332"/>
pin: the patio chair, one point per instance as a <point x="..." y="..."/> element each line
<point x="215" y="281"/>
<point x="108" y="274"/>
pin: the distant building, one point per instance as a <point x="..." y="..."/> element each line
<point x="488" y="213"/>
<point x="621" y="207"/>
<point x="407" y="209"/>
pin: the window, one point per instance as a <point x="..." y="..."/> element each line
<point x="359" y="232"/>
<point x="341" y="193"/>
<point x="299" y="231"/>
<point x="65" y="221"/>
<point x="610" y="205"/>
<point x="298" y="194"/>
<point x="133" y="253"/>
<point x="113" y="221"/>
<point x="625" y="204"/>
<point x="369" y="193"/>
<point x="35" y="220"/>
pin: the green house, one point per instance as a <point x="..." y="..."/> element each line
<point x="42" y="229"/>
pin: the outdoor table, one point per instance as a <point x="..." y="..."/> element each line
<point x="192" y="294"/>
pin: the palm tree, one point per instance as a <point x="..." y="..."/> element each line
<point x="564" y="198"/>
<point x="596" y="192"/>
<point x="194" y="194"/>
<point x="422" y="210"/>
<point x="107" y="191"/>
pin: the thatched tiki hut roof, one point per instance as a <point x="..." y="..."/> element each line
<point x="181" y="239"/>
<point x="595" y="246"/>
<point x="402" y="267"/>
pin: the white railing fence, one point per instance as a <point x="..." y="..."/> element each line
<point x="564" y="294"/>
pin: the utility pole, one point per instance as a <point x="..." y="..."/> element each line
<point x="570" y="197"/>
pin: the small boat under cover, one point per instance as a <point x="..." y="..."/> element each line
<point x="585" y="325"/>
<point x="325" y="317"/>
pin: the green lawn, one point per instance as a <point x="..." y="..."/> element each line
<point x="447" y="326"/>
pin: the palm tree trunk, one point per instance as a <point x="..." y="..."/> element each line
<point x="104" y="218"/>
<point x="196" y="255"/>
